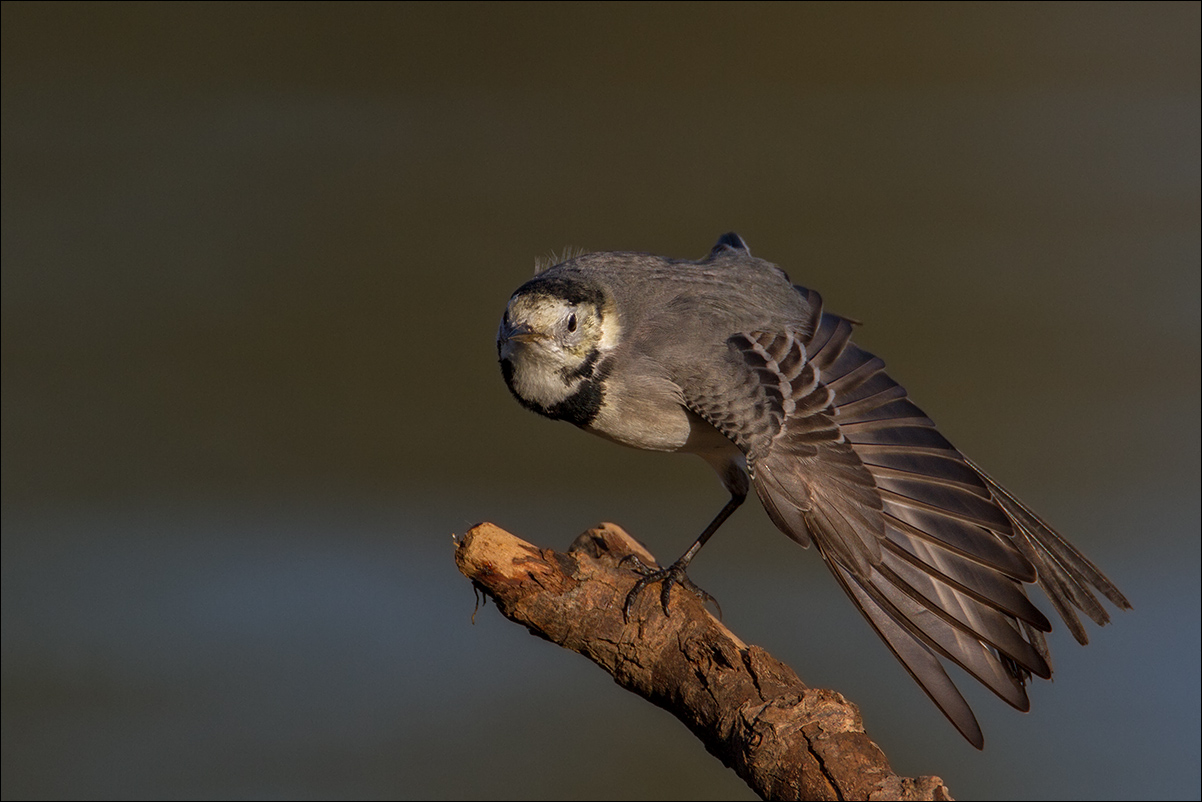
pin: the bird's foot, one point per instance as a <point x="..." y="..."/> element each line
<point x="674" y="574"/>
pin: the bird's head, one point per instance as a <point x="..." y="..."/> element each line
<point x="553" y="335"/>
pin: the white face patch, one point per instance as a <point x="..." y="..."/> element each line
<point x="552" y="346"/>
<point x="611" y="330"/>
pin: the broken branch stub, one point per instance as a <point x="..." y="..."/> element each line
<point x="751" y="711"/>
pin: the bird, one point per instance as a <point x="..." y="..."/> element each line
<point x="724" y="357"/>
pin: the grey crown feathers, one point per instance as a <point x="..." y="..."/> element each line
<point x="725" y="358"/>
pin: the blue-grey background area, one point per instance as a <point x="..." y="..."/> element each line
<point x="254" y="257"/>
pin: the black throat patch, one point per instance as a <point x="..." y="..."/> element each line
<point x="582" y="406"/>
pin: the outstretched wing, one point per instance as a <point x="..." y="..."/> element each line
<point x="932" y="551"/>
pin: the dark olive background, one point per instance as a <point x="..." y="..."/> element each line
<point x="254" y="256"/>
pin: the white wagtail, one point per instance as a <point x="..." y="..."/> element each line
<point x="726" y="359"/>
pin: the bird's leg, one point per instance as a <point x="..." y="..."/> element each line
<point x="675" y="574"/>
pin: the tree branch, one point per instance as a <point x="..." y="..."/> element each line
<point x="750" y="710"/>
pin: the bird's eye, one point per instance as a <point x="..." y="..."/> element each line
<point x="571" y="322"/>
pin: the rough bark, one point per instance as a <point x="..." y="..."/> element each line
<point x="750" y="710"/>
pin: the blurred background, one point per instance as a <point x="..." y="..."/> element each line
<point x="254" y="256"/>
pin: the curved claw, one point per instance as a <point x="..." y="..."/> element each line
<point x="636" y="565"/>
<point x="672" y="575"/>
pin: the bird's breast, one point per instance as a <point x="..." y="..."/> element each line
<point x="642" y="411"/>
